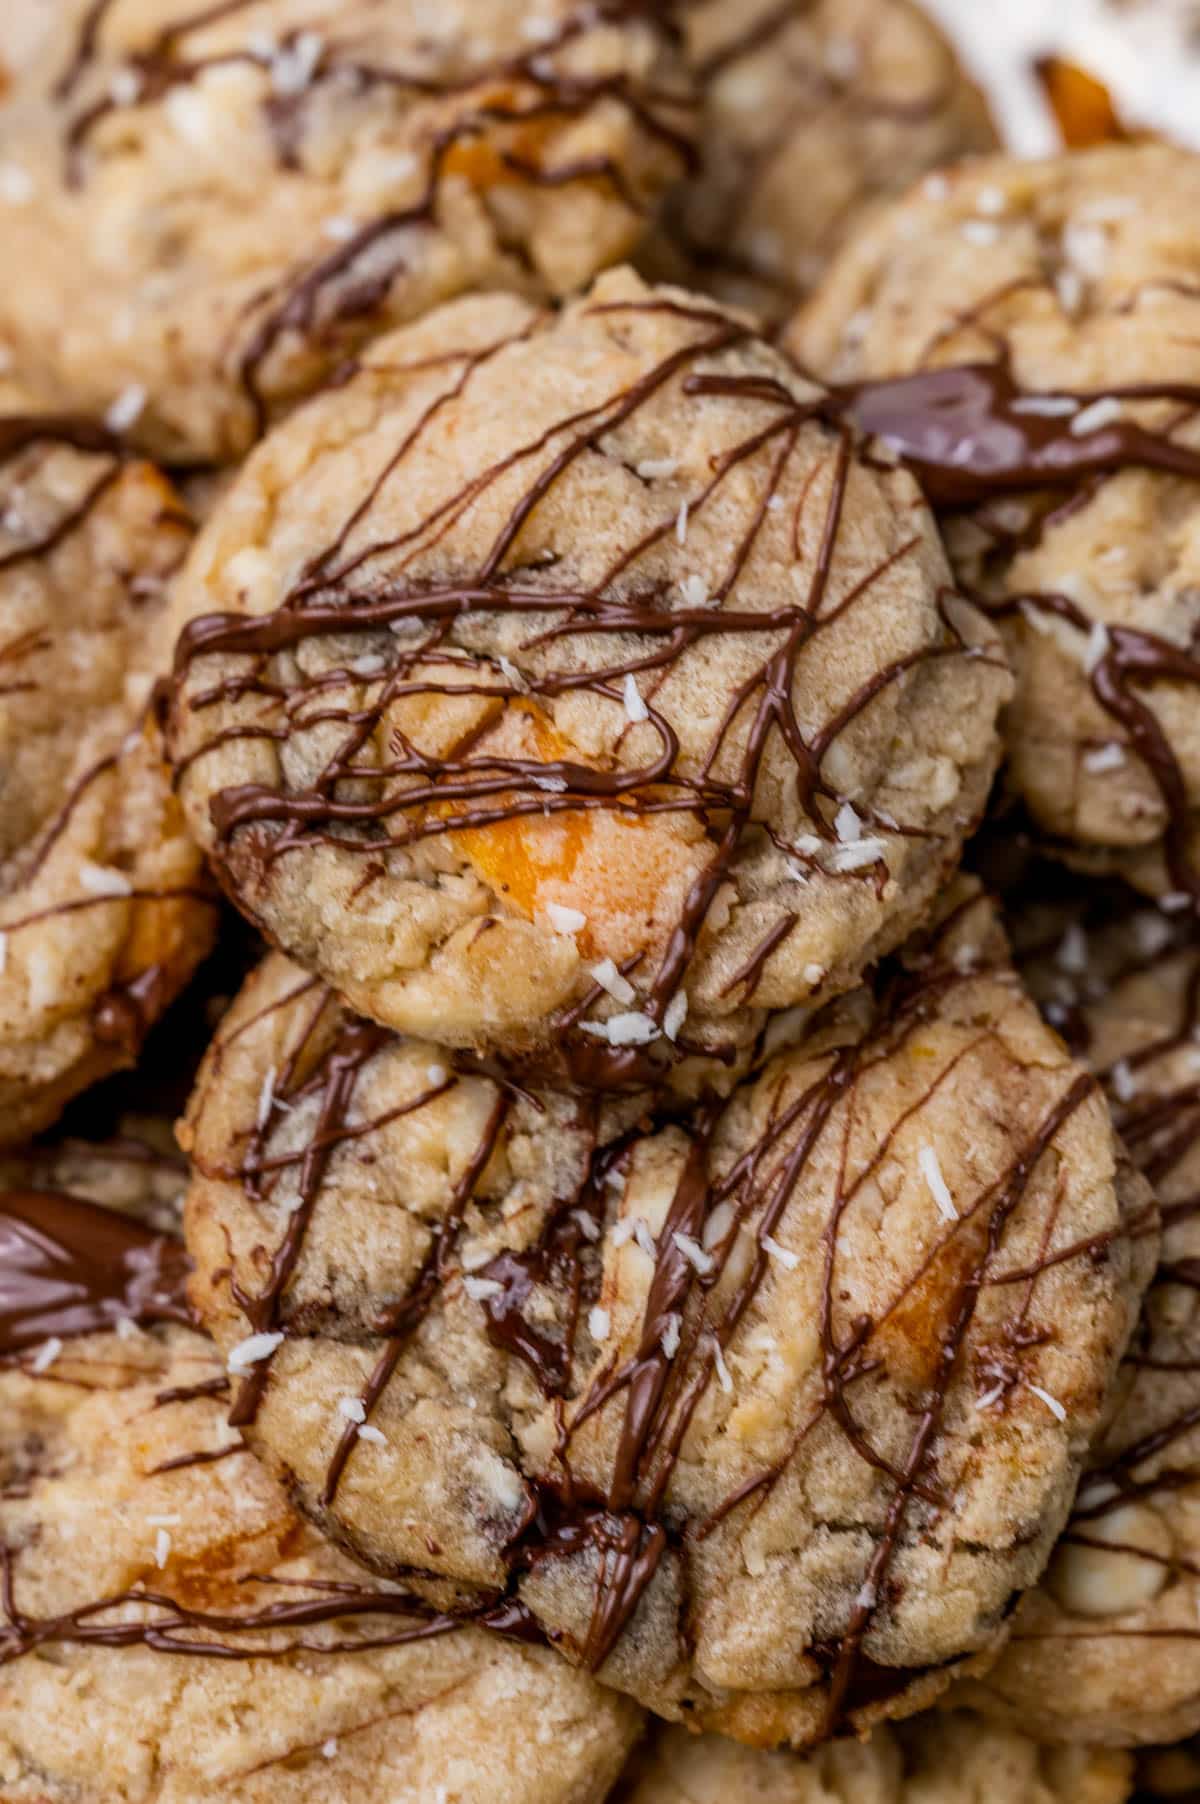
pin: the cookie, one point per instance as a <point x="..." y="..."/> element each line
<point x="935" y="1759"/>
<point x="104" y="909"/>
<point x="562" y="685"/>
<point x="812" y="115"/>
<point x="213" y="207"/>
<point x="169" y="1628"/>
<point x="1022" y="333"/>
<point x="764" y="1414"/>
<point x="1107" y="1649"/>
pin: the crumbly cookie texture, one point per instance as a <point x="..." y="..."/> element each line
<point x="1036" y="321"/>
<point x="171" y="1630"/>
<point x="104" y="910"/>
<point x="764" y="1418"/>
<point x="1106" y="1649"/>
<point x="407" y="153"/>
<point x="937" y="1759"/>
<point x="812" y="115"/>
<point x="577" y="692"/>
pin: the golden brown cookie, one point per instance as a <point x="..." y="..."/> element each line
<point x="1023" y="334"/>
<point x="765" y="1414"/>
<point x="563" y="685"/>
<point x="104" y="908"/>
<point x="168" y="1628"/>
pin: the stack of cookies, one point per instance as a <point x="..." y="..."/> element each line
<point x="598" y="699"/>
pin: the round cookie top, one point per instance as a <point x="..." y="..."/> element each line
<point x="947" y="1758"/>
<point x="212" y="206"/>
<point x="564" y="685"/>
<point x="1106" y="1649"/>
<point x="155" y="1569"/>
<point x="811" y="115"/>
<point x="103" y="907"/>
<point x="1023" y="334"/>
<point x="763" y="1415"/>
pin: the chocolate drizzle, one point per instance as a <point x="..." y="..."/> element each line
<point x="970" y="433"/>
<point x="1133" y="961"/>
<point x="492" y="124"/>
<point x="623" y="1531"/>
<point x="69" y="1267"/>
<point x="360" y="583"/>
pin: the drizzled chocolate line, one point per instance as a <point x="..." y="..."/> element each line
<point x="627" y="1529"/>
<point x="69" y="1267"/>
<point x="970" y="433"/>
<point x="411" y="796"/>
<point x="513" y="108"/>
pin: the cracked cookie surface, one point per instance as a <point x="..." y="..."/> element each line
<point x="563" y="685"/>
<point x="169" y="1628"/>
<point x="1024" y="334"/>
<point x="407" y="153"/>
<point x="691" y="1400"/>
<point x="104" y="910"/>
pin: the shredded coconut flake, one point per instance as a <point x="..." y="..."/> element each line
<point x="611" y="980"/>
<point x="681" y="523"/>
<point x="266" y="1098"/>
<point x="480" y="1289"/>
<point x="722" y="1370"/>
<point x="1047" y="407"/>
<point x="46" y="1354"/>
<point x="1097" y="646"/>
<point x="931" y="1171"/>
<point x="552" y="785"/>
<point x="1052" y="1403"/>
<point x="1105" y="757"/>
<point x="675" y="1016"/>
<point x="780" y="1254"/>
<point x="376" y="1436"/>
<point x="858" y="856"/>
<point x="352" y="1408"/>
<point x="1096" y="416"/>
<point x="1124" y="1083"/>
<point x="624" y="1230"/>
<point x="716" y="1228"/>
<point x="252" y="1351"/>
<point x="654" y="469"/>
<point x="512" y="675"/>
<point x="669" y="1339"/>
<point x="436" y="1075"/>
<point x="565" y="920"/>
<point x="329" y="1748"/>
<point x="162" y="1548"/>
<point x="635" y="707"/>
<point x="694" y="1253"/>
<point x="847" y="824"/>
<point x="599" y="1324"/>
<point x="694" y="591"/>
<point x="624" y="1030"/>
<point x="814" y="975"/>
